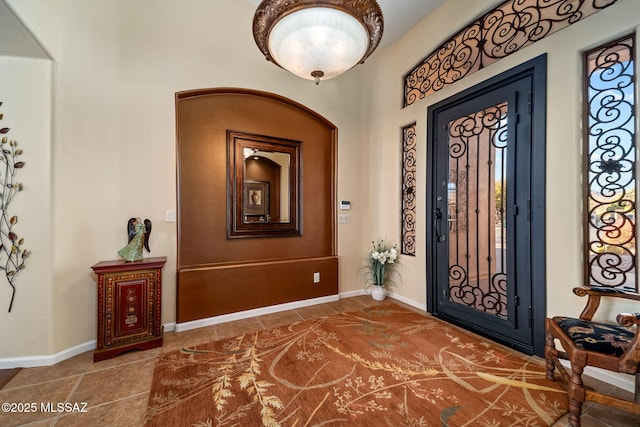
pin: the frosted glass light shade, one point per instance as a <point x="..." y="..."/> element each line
<point x="318" y="39"/>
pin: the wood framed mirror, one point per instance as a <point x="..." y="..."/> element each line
<point x="263" y="186"/>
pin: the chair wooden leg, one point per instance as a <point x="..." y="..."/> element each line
<point x="550" y="355"/>
<point x="576" y="395"/>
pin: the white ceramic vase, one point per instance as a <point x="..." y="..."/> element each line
<point x="378" y="293"/>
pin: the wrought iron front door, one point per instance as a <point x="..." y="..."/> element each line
<point x="481" y="213"/>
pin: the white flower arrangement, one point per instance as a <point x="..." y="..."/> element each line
<point x="381" y="256"/>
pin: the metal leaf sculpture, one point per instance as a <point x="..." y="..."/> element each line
<point x="12" y="254"/>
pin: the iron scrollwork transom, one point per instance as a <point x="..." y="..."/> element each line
<point x="506" y="29"/>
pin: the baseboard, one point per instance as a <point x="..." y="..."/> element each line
<point x="410" y="302"/>
<point x="623" y="381"/>
<point x="390" y="294"/>
<point x="180" y="327"/>
<point x="33" y="361"/>
<point x="353" y="293"/>
<point x="48" y="360"/>
<point x="185" y="326"/>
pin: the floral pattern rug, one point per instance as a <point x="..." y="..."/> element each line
<point x="381" y="366"/>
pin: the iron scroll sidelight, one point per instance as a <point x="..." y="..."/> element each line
<point x="408" y="244"/>
<point x="610" y="141"/>
<point x="12" y="254"/>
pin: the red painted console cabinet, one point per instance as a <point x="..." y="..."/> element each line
<point x="129" y="300"/>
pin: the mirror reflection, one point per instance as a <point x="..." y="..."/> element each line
<point x="263" y="186"/>
<point x="266" y="186"/>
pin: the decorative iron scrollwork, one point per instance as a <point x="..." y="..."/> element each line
<point x="611" y="148"/>
<point x="504" y="30"/>
<point x="476" y="189"/>
<point x="408" y="246"/>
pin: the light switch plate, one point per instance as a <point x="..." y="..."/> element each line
<point x="344" y="219"/>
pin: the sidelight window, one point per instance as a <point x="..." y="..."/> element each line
<point x="409" y="157"/>
<point x="610" y="150"/>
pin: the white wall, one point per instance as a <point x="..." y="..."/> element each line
<point x="564" y="153"/>
<point x="117" y="65"/>
<point x="27" y="112"/>
<point x="564" y="187"/>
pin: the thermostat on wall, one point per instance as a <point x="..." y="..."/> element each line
<point x="345" y="205"/>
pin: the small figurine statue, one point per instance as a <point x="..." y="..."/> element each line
<point x="138" y="237"/>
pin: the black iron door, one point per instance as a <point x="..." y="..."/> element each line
<point x="481" y="210"/>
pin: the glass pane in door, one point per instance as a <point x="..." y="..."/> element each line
<point x="477" y="191"/>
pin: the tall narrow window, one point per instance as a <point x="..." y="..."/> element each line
<point x="610" y="138"/>
<point x="408" y="246"/>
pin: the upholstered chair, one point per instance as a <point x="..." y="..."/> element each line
<point x="614" y="347"/>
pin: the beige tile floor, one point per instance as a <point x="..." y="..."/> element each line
<point x="116" y="390"/>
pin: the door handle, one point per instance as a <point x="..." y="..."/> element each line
<point x="437" y="221"/>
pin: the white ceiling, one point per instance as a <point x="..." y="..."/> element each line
<point x="399" y="16"/>
<point x="15" y="39"/>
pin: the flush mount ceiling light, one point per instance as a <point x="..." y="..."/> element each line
<point x="317" y="39"/>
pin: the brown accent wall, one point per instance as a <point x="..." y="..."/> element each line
<point x="217" y="275"/>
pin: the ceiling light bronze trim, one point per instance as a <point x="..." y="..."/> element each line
<point x="269" y="12"/>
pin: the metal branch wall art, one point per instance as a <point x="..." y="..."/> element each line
<point x="12" y="254"/>
<point x="508" y="28"/>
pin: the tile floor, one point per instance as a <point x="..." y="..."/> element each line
<point x="117" y="390"/>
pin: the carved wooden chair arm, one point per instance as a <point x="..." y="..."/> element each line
<point x="628" y="319"/>
<point x="630" y="360"/>
<point x="595" y="293"/>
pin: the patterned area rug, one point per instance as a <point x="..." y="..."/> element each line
<point x="382" y="366"/>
